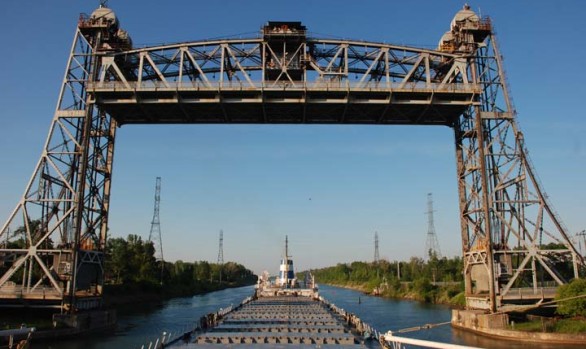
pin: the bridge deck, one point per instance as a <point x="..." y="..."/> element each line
<point x="42" y="297"/>
<point x="514" y="297"/>
<point x="149" y="102"/>
<point x="528" y="293"/>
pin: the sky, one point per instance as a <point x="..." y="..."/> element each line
<point x="329" y="188"/>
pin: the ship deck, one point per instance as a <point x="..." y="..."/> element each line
<point x="288" y="320"/>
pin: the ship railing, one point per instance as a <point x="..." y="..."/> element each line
<point x="166" y="338"/>
<point x="17" y="338"/>
<point x="188" y="331"/>
<point x="362" y="327"/>
<point x="159" y="342"/>
<point x="390" y="341"/>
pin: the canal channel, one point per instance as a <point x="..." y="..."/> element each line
<point x="141" y="324"/>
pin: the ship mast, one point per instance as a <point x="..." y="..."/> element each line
<point x="286" y="248"/>
<point x="286" y="274"/>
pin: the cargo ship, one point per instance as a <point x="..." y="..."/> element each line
<point x="282" y="312"/>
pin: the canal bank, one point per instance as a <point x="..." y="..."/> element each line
<point x="444" y="295"/>
<point x="491" y="326"/>
<point x="500" y="326"/>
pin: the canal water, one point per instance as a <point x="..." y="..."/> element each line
<point x="141" y="324"/>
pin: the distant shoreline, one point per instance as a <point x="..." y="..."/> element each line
<point x="408" y="296"/>
<point x="114" y="300"/>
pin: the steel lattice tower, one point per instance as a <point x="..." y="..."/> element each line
<point x="581" y="237"/>
<point x="376" y="254"/>
<point x="221" y="253"/>
<point x="432" y="247"/>
<point x="155" y="235"/>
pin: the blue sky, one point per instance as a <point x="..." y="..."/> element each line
<point x="328" y="187"/>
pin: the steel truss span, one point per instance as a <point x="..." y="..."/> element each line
<point x="254" y="81"/>
<point x="515" y="248"/>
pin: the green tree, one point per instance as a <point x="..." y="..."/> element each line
<point x="117" y="266"/>
<point x="575" y="306"/>
<point x="131" y="260"/>
<point x="203" y="271"/>
<point x="131" y="266"/>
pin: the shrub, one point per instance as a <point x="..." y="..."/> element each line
<point x="459" y="300"/>
<point x="424" y="289"/>
<point x="572" y="307"/>
<point x="570" y="326"/>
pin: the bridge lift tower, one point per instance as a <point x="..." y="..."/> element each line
<point x="55" y="253"/>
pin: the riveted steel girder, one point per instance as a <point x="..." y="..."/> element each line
<point x="319" y="81"/>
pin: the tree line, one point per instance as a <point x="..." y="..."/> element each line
<point x="434" y="280"/>
<point x="131" y="263"/>
<point x="435" y="269"/>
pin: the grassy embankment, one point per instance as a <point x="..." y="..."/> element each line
<point x="553" y="325"/>
<point x="414" y="283"/>
<point x="421" y="290"/>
